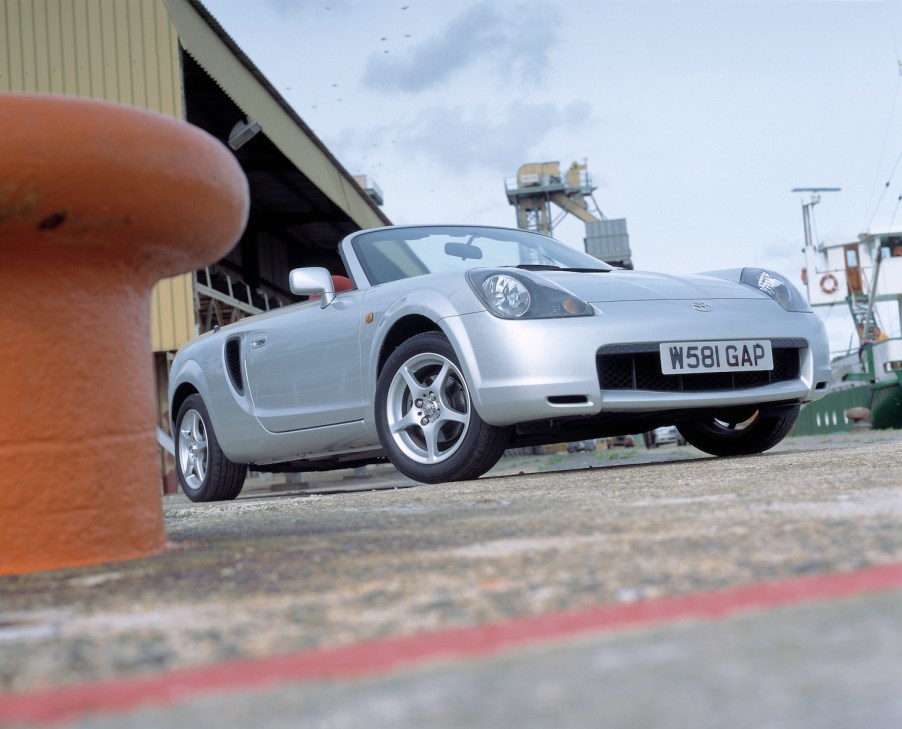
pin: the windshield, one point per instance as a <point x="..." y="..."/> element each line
<point x="391" y="254"/>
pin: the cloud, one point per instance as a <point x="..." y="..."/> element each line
<point x="514" y="39"/>
<point x="531" y="33"/>
<point x="458" y="140"/>
<point x="294" y="9"/>
<point x="287" y="9"/>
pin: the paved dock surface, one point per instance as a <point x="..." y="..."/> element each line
<point x="619" y="588"/>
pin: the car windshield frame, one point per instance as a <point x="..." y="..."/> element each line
<point x="403" y="252"/>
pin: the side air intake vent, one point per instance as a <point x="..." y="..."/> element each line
<point x="233" y="364"/>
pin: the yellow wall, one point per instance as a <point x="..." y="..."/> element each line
<point x="118" y="50"/>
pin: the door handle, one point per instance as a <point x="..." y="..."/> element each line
<point x="258" y="340"/>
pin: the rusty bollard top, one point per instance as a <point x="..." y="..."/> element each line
<point x="98" y="201"/>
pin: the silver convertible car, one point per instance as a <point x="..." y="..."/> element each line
<point x="445" y="345"/>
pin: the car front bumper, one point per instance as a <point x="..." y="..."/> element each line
<point x="521" y="371"/>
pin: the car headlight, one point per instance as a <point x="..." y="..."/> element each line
<point x="520" y="296"/>
<point x="775" y="286"/>
<point x="506" y="295"/>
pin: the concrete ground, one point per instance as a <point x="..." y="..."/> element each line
<point x="625" y="588"/>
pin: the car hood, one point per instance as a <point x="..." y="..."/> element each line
<point x="643" y="286"/>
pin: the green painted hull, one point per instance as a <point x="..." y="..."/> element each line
<point x="886" y="405"/>
<point x="827" y="415"/>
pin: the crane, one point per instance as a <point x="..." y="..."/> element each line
<point x="539" y="184"/>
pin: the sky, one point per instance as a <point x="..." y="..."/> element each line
<point x="695" y="119"/>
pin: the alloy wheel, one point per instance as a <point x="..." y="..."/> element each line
<point x="193" y="452"/>
<point x="428" y="408"/>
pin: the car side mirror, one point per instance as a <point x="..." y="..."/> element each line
<point x="312" y="282"/>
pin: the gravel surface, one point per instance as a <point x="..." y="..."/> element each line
<point x="350" y="559"/>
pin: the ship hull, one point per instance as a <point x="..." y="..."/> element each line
<point x="828" y="415"/>
<point x="886" y="404"/>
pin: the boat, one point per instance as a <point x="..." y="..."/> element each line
<point x="866" y="386"/>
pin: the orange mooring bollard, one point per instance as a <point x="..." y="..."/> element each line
<point x="98" y="201"/>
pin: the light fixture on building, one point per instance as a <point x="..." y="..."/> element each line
<point x="243" y="132"/>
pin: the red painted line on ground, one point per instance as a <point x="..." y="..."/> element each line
<point x="64" y="703"/>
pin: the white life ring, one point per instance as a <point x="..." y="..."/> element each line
<point x="829" y="284"/>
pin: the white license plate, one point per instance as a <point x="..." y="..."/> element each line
<point x="742" y="355"/>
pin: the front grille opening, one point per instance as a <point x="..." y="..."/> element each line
<point x="642" y="371"/>
<point x="233" y="364"/>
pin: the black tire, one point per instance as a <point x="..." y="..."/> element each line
<point x="432" y="433"/>
<point x="754" y="434"/>
<point x="204" y="471"/>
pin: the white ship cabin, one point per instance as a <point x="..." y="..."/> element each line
<point x="861" y="273"/>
